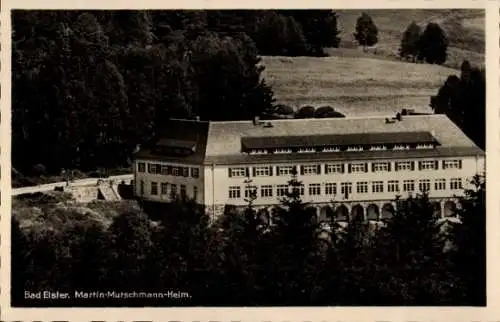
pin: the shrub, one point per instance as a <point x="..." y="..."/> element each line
<point x="283" y="109"/>
<point x="305" y="112"/>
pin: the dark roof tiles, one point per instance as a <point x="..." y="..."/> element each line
<point x="222" y="142"/>
<point x="266" y="142"/>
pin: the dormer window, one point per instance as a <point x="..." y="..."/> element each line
<point x="378" y="148"/>
<point x="354" y="148"/>
<point x="401" y="147"/>
<point x="282" y="151"/>
<point x="424" y="146"/>
<point x="331" y="149"/>
<point x="306" y="150"/>
<point x="258" y="151"/>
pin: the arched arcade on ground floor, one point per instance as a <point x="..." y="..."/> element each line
<point x="369" y="210"/>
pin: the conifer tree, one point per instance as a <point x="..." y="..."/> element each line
<point x="433" y="45"/>
<point x="366" y="33"/>
<point x="469" y="237"/>
<point x="409" y="256"/>
<point x="294" y="237"/>
<point x="410" y="41"/>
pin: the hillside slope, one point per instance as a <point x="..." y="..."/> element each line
<point x="354" y="85"/>
<point x="465" y="29"/>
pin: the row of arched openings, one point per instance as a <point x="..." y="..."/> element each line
<point x="373" y="212"/>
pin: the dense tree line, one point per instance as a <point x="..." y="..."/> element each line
<point x="90" y="85"/>
<point x="430" y="46"/>
<point x="244" y="258"/>
<point x="463" y="99"/>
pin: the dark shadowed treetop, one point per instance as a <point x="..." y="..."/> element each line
<point x="410" y="40"/>
<point x="304" y="112"/>
<point x="433" y="44"/>
<point x="116" y="82"/>
<point x="366" y="33"/>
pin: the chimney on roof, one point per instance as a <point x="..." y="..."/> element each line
<point x="256" y="120"/>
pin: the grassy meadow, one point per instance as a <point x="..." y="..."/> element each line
<point x="377" y="82"/>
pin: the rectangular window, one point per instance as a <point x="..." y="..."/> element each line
<point x="278" y="151"/>
<point x="314" y="189"/>
<point x="354" y="148"/>
<point x="173" y="190"/>
<point x="152" y="168"/>
<point x="234" y="192"/>
<point x="195" y="172"/>
<point x="330" y="188"/>
<point x="238" y="172"/>
<point x="378" y="148"/>
<point x="262" y="171"/>
<point x="452" y="164"/>
<point x="300" y="189"/>
<point x="377" y="186"/>
<point x="404" y="166"/>
<point x="195" y="192"/>
<point x="266" y="191"/>
<point x="362" y="187"/>
<point x="183" y="191"/>
<point x="164" y="187"/>
<point x="358" y="167"/>
<point x="381" y="167"/>
<point x="424" y="185"/>
<point x="346" y="189"/>
<point x="142" y="187"/>
<point x="284" y="170"/>
<point x="154" y="188"/>
<point x="393" y="186"/>
<point x="401" y="147"/>
<point x="306" y="150"/>
<point x="258" y="151"/>
<point x="426" y="165"/>
<point x="141" y="167"/>
<point x="176" y="171"/>
<point x="440" y="184"/>
<point x="309" y="169"/>
<point x="334" y="168"/>
<point x="164" y="169"/>
<point x="282" y="190"/>
<point x="251" y="192"/>
<point x="408" y="185"/>
<point x="455" y="183"/>
<point x="185" y="172"/>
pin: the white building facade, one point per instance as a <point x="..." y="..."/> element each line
<point x="346" y="165"/>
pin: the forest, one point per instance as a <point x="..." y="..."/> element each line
<point x="89" y="86"/>
<point x="243" y="259"/>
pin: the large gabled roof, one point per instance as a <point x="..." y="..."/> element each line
<point x="224" y="142"/>
<point x="225" y="139"/>
<point x="179" y="134"/>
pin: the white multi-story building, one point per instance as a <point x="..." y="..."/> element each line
<point x="346" y="165"/>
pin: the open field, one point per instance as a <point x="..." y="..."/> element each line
<point x="464" y="29"/>
<point x="354" y="85"/>
<point x="377" y="82"/>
